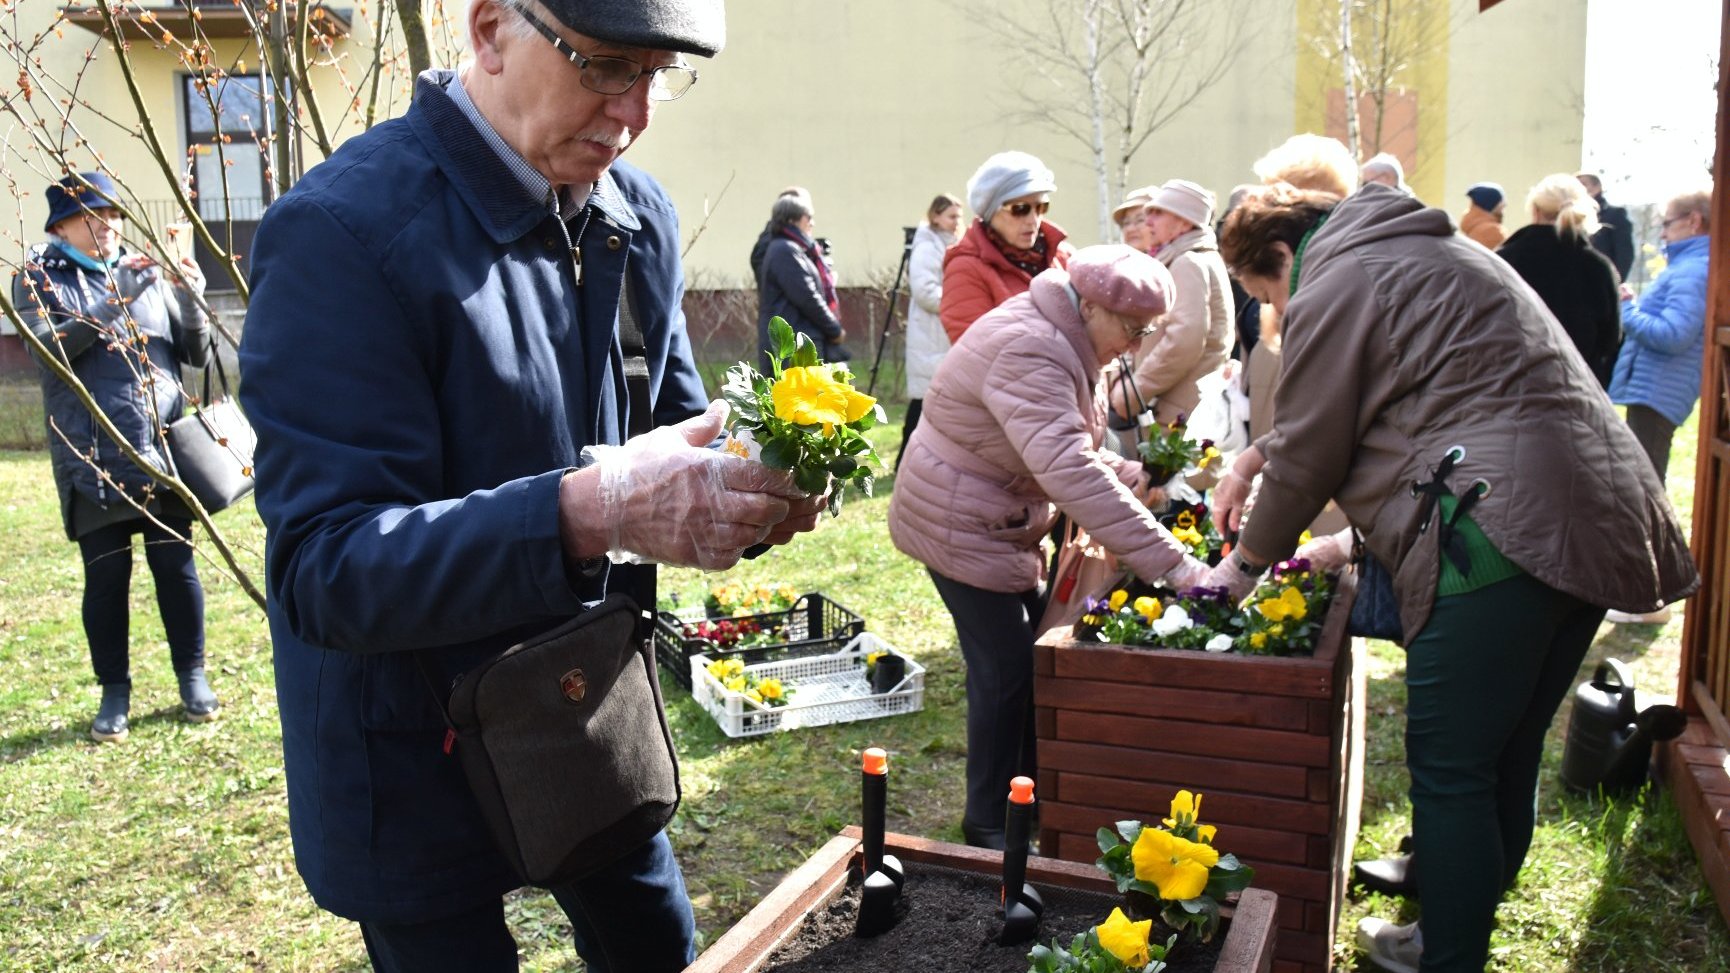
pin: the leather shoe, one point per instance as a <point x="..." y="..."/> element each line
<point x="1389" y="876"/>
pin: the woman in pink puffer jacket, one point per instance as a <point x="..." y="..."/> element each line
<point x="1011" y="433"/>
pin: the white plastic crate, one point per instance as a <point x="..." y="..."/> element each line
<point x="826" y="689"/>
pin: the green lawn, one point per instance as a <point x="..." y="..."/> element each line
<point x="171" y="850"/>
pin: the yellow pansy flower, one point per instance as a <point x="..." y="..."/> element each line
<point x="722" y="669"/>
<point x="1305" y="538"/>
<point x="735" y="684"/>
<point x="1186" y="519"/>
<point x="770" y="690"/>
<point x="1125" y="940"/>
<point x="1117" y="599"/>
<point x="1176" y="866"/>
<point x="1206" y="832"/>
<point x="810" y="395"/>
<point x="1288" y="604"/>
<point x="1148" y="608"/>
<point x="1277" y="630"/>
<point x="1258" y="640"/>
<point x="1188" y="536"/>
<point x="1209" y="456"/>
<point x="753" y="695"/>
<point x="1185" y="807"/>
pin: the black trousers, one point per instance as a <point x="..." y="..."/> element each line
<point x="908" y="424"/>
<point x="107" y="553"/>
<point x="1654" y="433"/>
<point x="996" y="634"/>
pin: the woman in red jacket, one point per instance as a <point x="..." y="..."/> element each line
<point x="1009" y="243"/>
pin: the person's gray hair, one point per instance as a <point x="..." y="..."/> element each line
<point x="517" y="26"/>
<point x="790" y="208"/>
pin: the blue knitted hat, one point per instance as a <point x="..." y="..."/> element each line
<point x="74" y="195"/>
<point x="1487" y="195"/>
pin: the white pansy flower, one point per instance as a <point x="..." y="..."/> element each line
<point x="1175" y="620"/>
<point x="1219" y="643"/>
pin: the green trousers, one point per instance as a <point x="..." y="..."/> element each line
<point x="1483" y="680"/>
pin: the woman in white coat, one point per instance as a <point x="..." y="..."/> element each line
<point x="926" y="340"/>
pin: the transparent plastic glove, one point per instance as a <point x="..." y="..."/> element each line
<point x="1231" y="576"/>
<point x="666" y="497"/>
<point x="1189" y="573"/>
<point x="1329" y="553"/>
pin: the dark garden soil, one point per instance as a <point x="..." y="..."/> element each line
<point x="949" y="924"/>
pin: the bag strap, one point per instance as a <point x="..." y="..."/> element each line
<point x="639" y="411"/>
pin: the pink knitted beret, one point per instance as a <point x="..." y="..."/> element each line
<point x="1121" y="278"/>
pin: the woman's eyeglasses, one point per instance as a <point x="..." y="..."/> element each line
<point x="615" y="75"/>
<point x="1020" y="210"/>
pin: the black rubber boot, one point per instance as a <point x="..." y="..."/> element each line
<point x="195" y="695"/>
<point x="110" y="724"/>
<point x="992" y="838"/>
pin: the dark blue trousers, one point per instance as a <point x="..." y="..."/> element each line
<point x="631" y="917"/>
<point x="107" y="553"/>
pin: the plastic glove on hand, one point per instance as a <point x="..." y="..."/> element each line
<point x="1189" y="573"/>
<point x="1230" y="499"/>
<point x="666" y="497"/>
<point x="1231" y="576"/>
<point x="1329" y="553"/>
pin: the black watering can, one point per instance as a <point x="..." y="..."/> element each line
<point x="1610" y="735"/>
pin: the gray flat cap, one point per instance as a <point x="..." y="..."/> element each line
<point x="688" y="26"/>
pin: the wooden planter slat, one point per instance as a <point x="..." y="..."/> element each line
<point x="1128" y="763"/>
<point x="1251" y="937"/>
<point x="1218" y="806"/>
<point x="1208" y="706"/>
<point x="1259" y="675"/>
<point x="1249" y="844"/>
<point x="1274" y="745"/>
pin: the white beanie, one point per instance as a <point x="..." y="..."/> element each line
<point x="1184" y="199"/>
<point x="1006" y="176"/>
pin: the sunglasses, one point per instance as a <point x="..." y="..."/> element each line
<point x="1020" y="210"/>
<point x="607" y="75"/>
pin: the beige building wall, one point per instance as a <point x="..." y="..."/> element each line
<point x="1516" y="98"/>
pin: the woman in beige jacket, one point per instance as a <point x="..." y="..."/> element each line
<point x="1428" y="390"/>
<point x="1193" y="337"/>
<point x="1012" y="429"/>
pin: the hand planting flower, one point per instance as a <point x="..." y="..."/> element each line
<point x="805" y="417"/>
<point x="1175" y="869"/>
<point x="1168" y="451"/>
<point x="1117" y="945"/>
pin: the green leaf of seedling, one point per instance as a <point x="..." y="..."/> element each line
<point x="843" y="466"/>
<point x="1130" y="830"/>
<point x="804" y="351"/>
<point x="1223" y="883"/>
<point x="780" y="454"/>
<point x="836" y="496"/>
<point x="866" y="483"/>
<point x="811" y="479"/>
<point x="855" y="445"/>
<point x="1146" y="888"/>
<point x="1108" y="840"/>
<point x="780" y="338"/>
<point x="869" y="419"/>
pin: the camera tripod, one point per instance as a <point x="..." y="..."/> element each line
<point x="894" y="300"/>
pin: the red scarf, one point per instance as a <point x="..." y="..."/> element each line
<point x="1031" y="260"/>
<point x="829" y="296"/>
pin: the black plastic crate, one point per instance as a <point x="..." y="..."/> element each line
<point x="815" y="625"/>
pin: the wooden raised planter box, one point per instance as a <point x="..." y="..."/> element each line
<point x="1275" y="746"/>
<point x="1249" y="932"/>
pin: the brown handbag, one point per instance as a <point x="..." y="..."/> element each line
<point x="1084" y="570"/>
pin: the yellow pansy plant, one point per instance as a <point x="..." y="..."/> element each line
<point x="1288" y="604"/>
<point x="1117" y="600"/>
<point x="1173" y="871"/>
<point x="1148" y="608"/>
<point x="805" y="416"/>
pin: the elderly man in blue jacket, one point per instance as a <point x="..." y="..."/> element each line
<point x="1657" y="374"/>
<point x="442" y="320"/>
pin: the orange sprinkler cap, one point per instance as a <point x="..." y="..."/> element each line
<point x="876" y="761"/>
<point x="1021" y="790"/>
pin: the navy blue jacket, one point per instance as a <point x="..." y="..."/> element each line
<point x="789" y="286"/>
<point x="89" y="318"/>
<point x="422" y="367"/>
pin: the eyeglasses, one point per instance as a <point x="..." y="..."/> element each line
<point x="1020" y="210"/>
<point x="615" y="75"/>
<point x="1136" y="334"/>
<point x="1675" y="219"/>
